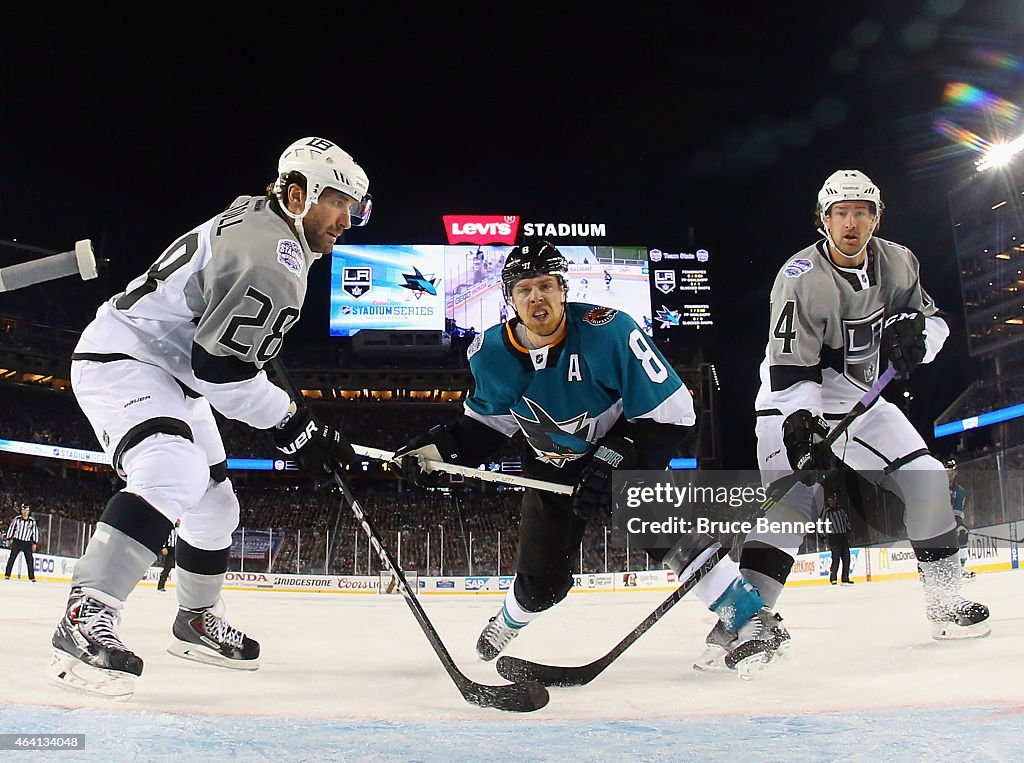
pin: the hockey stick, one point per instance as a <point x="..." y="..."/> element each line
<point x="468" y="471"/>
<point x="80" y="260"/>
<point x="515" y="697"/>
<point x="516" y="669"/>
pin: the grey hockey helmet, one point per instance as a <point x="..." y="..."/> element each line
<point x="531" y="260"/>
<point x="325" y="165"/>
<point x="950" y="464"/>
<point x="848" y="185"/>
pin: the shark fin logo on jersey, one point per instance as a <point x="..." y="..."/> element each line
<point x="357" y="280"/>
<point x="668" y="318"/>
<point x="419" y="284"/>
<point x="289" y="254"/>
<point x="599" y="316"/>
<point x="796" y="268"/>
<point x="555" y="442"/>
<point x="476" y="344"/>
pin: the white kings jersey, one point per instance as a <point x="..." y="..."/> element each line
<point x="824" y="337"/>
<point x="212" y="310"/>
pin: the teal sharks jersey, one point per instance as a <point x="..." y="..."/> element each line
<point x="568" y="395"/>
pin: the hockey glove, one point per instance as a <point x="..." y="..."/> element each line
<point x="963" y="533"/>
<point x="592" y="496"/>
<point x="802" y="436"/>
<point x="431" y="446"/>
<point x="315" y="445"/>
<point x="903" y="341"/>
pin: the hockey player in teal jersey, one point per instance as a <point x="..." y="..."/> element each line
<point x="958" y="500"/>
<point x="589" y="392"/>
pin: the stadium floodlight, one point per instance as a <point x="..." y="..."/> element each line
<point x="999" y="154"/>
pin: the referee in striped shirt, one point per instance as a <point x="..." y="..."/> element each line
<point x="838" y="539"/>
<point x="23" y="534"/>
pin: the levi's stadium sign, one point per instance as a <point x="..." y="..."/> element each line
<point x="503" y="229"/>
<point x="481" y="229"/>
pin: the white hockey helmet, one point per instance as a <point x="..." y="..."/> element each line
<point x="325" y="165"/>
<point x="848" y="185"/>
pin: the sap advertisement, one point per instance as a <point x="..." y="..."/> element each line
<point x="387" y="287"/>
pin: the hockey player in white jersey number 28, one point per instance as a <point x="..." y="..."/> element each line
<point x="840" y="310"/>
<point x="194" y="332"/>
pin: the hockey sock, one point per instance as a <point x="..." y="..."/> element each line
<point x="515" y="616"/>
<point x="200" y="574"/>
<point x="127" y="540"/>
<point x="963" y="557"/>
<point x="767" y="568"/>
<point x="738" y="604"/>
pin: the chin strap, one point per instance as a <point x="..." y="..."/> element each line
<point x="299" y="231"/>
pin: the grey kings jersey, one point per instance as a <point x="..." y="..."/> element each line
<point x="212" y="310"/>
<point x="826" y="321"/>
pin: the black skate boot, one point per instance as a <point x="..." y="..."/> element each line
<point x="203" y="635"/>
<point x="759" y="642"/>
<point x="951" y="615"/>
<point x="88" y="655"/>
<point x="498" y="633"/>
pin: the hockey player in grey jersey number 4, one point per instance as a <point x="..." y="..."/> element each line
<point x="191" y="334"/>
<point x="840" y="310"/>
<point x="589" y="393"/>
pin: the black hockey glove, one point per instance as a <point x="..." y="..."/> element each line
<point x="434" y="445"/>
<point x="903" y="341"/>
<point x="963" y="533"/>
<point x="802" y="436"/>
<point x="592" y="495"/>
<point x="315" y="445"/>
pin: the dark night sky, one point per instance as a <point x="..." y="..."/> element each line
<point x="718" y="118"/>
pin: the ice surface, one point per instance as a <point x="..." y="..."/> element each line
<point x="348" y="677"/>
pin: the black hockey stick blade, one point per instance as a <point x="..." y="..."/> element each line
<point x="518" y="697"/>
<point x="516" y="669"/>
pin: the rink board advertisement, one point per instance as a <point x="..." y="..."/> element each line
<point x="386" y="287"/>
<point x="987" y="552"/>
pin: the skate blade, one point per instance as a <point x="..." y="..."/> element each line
<point x="207" y="656"/>
<point x="712" y="661"/>
<point x="72" y="674"/>
<point x="751" y="667"/>
<point x="954" y="632"/>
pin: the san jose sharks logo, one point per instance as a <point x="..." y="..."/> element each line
<point x="667" y="317"/>
<point x="556" y="442"/>
<point x="420" y="284"/>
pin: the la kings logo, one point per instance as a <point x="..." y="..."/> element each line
<point x="863" y="338"/>
<point x="357" y="281"/>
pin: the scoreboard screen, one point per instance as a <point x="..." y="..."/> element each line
<point x="681" y="295"/>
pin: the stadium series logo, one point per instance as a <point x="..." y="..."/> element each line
<point x="357" y="281"/>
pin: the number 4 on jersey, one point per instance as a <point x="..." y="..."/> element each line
<point x="785" y="327"/>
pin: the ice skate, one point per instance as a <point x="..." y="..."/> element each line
<point x="760" y="641"/>
<point x="498" y="633"/>
<point x="203" y="635"/>
<point x="88" y="655"/>
<point x="716" y="646"/>
<point x="951" y="615"/>
<point x="967" y="574"/>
